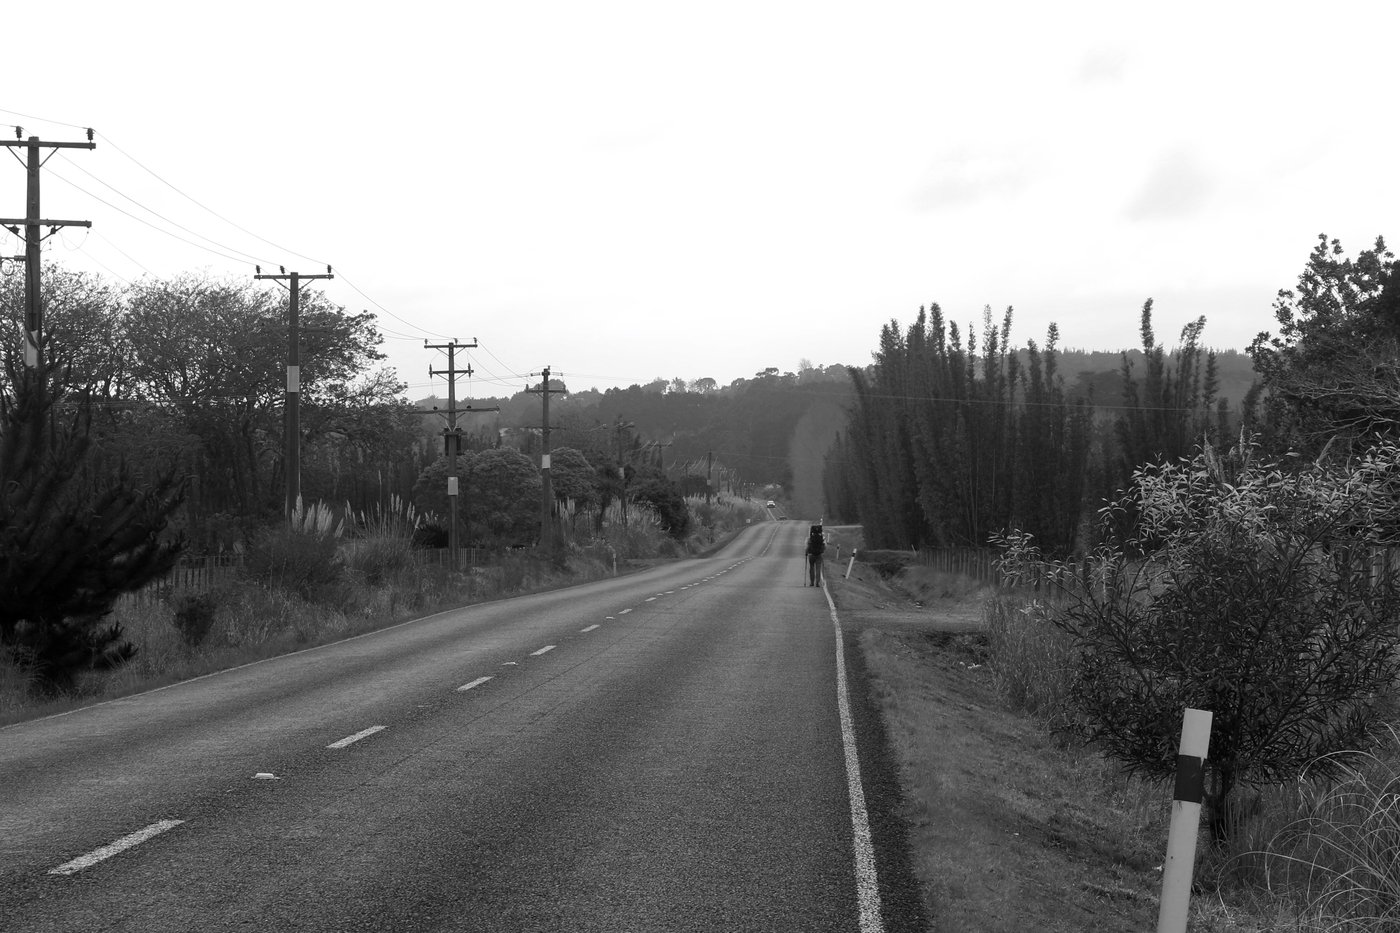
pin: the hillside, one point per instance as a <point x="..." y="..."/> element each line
<point x="773" y="429"/>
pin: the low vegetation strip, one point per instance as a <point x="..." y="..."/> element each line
<point x="305" y="586"/>
<point x="1015" y="824"/>
<point x="1009" y="831"/>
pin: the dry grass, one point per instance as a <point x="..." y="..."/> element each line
<point x="252" y="622"/>
<point x="1030" y="659"/>
<point x="1310" y="856"/>
<point x="1337" y="860"/>
<point x="334" y="592"/>
<point x="1011" y="829"/>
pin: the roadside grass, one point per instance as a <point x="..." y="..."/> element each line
<point x="252" y="621"/>
<point x="1311" y="855"/>
<point x="1013" y="827"/>
<point x="297" y="592"/>
<point x="1010" y="831"/>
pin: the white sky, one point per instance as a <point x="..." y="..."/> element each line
<point x="629" y="190"/>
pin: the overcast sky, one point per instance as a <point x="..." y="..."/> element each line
<point x="623" y="191"/>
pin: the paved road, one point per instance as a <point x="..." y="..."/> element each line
<point x="662" y="751"/>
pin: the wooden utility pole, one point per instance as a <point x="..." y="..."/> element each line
<point x="32" y="221"/>
<point x="621" y="469"/>
<point x="452" y="435"/>
<point x="547" y="487"/>
<point x="660" y="449"/>
<point x="291" y="409"/>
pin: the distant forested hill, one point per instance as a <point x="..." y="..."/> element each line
<point x="1097" y="374"/>
<point x="773" y="429"/>
<point x="740" y="434"/>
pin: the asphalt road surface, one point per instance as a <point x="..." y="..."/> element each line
<point x="661" y="751"/>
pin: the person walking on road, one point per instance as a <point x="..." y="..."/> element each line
<point x="816" y="544"/>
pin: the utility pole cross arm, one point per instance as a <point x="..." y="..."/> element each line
<point x="44" y="223"/>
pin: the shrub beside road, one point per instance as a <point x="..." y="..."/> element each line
<point x="1014" y="825"/>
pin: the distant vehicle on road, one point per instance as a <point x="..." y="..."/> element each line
<point x="772" y="504"/>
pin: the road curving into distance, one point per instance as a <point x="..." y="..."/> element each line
<point x="661" y="751"/>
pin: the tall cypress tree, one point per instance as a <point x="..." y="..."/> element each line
<point x="70" y="544"/>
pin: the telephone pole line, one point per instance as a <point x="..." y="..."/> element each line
<point x="291" y="409"/>
<point x="660" y="449"/>
<point x="32" y="221"/>
<point x="452" y="435"/>
<point x="546" y="484"/>
<point x="619" y="427"/>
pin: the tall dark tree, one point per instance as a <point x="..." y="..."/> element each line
<point x="949" y="441"/>
<point x="1053" y="441"/>
<point x="502" y="497"/>
<point x="1333" y="368"/>
<point x="573" y="478"/>
<point x="651" y="488"/>
<point x="215" y="352"/>
<point x="69" y="547"/>
<point x="1172" y="410"/>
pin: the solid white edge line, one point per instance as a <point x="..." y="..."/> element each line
<point x="543" y="650"/>
<point x="352" y="739"/>
<point x="121" y="845"/>
<point x="475" y="683"/>
<point x="867" y="885"/>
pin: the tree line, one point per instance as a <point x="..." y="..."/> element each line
<point x="155" y="429"/>
<point x="187" y="374"/>
<point x="1241" y="562"/>
<point x="956" y="435"/>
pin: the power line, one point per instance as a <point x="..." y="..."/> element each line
<point x="366" y="297"/>
<point x="124" y="253"/>
<point x="233" y="249"/>
<point x="251" y="258"/>
<point x="16" y="113"/>
<point x="142" y="220"/>
<point x="199" y="204"/>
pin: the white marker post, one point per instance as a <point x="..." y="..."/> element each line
<point x="1186" y="821"/>
<point x="851" y="564"/>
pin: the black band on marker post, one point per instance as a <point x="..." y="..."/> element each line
<point x="1190" y="779"/>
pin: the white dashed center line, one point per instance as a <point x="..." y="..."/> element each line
<point x="352" y="739"/>
<point x="624" y="612"/>
<point x="475" y="683"/>
<point x="589" y="629"/>
<point x="543" y="650"/>
<point x="121" y="845"/>
<point x="650" y="599"/>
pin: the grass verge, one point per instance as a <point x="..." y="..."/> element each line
<point x="1010" y="829"/>
<point x="306" y="589"/>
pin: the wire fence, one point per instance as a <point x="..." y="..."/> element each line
<point x="980" y="565"/>
<point x="977" y="563"/>
<point x="1380" y="566"/>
